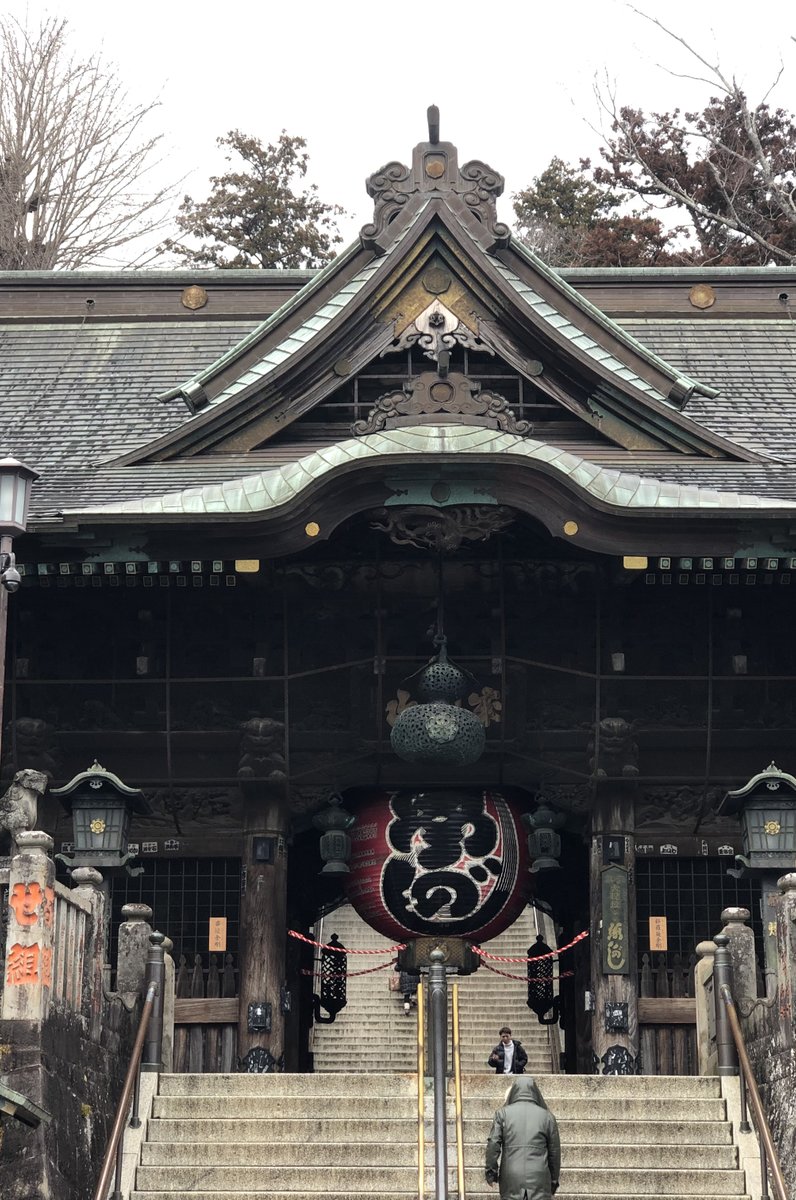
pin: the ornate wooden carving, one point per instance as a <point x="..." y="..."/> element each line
<point x="616" y="753"/>
<point x="428" y="400"/>
<point x="442" y="528"/>
<point x="437" y="329"/>
<point x="472" y="190"/>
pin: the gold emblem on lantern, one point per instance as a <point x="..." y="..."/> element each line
<point x="772" y="827"/>
<point x="97" y="825"/>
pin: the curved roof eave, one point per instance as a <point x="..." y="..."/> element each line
<point x="270" y="490"/>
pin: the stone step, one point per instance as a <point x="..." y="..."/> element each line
<point x="360" y="1153"/>
<point x="273" y="1107"/>
<point x="662" y="1183"/>
<point x="366" y="1151"/>
<point x="600" y="1086"/>
<point x="286" y="1084"/>
<point x="475" y="1086"/>
<point x="596" y="1132"/>
<point x="574" y="1133"/>
<point x="307" y="1178"/>
<point x="621" y="1107"/>
<point x="377" y="1179"/>
<point x="398" y="1193"/>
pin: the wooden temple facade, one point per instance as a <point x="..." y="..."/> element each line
<point x="259" y="495"/>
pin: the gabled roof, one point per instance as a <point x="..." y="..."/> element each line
<point x="136" y="407"/>
<point x="435" y="218"/>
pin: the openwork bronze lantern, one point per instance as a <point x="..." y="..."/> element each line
<point x="438" y="730"/>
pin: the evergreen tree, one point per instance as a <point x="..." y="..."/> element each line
<point x="255" y="215"/>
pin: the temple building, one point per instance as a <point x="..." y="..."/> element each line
<point x="482" y="567"/>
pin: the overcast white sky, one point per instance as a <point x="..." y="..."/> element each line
<point x="514" y="81"/>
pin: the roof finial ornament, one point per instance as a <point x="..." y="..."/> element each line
<point x="432" y="114"/>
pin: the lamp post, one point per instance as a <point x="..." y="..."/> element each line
<point x="15" y="484"/>
<point x="766" y="806"/>
<point x="101" y="807"/>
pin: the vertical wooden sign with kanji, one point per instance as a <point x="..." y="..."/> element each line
<point x="29" y="938"/>
<point x="615" y="921"/>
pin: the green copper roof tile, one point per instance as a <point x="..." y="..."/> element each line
<point x="269" y="489"/>
<point x="294" y="340"/>
<point x="578" y="337"/>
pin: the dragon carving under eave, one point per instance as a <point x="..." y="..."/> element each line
<point x="442" y="528"/>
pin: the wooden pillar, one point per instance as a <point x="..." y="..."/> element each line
<point x="614" y="950"/>
<point x="263" y="921"/>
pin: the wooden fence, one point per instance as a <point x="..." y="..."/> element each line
<point x="205" y="1016"/>
<point x="667" y="1016"/>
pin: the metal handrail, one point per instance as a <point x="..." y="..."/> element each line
<point x="457" y="1094"/>
<point x="114" y="1147"/>
<point x="421" y="1096"/>
<point x="768" y="1152"/>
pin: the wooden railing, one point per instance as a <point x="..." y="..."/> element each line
<point x="205" y="1017"/>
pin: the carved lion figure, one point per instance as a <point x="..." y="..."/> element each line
<point x="618" y="752"/>
<point x="19" y="805"/>
<point x="33" y="740"/>
<point x="262" y="750"/>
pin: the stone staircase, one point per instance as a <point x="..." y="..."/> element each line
<point x="342" y="1136"/>
<point x="622" y="1137"/>
<point x="372" y="1033"/>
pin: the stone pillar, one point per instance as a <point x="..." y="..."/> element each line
<point x="168" y="1006"/>
<point x="614" y="949"/>
<point x="742" y="951"/>
<point x="786" y="959"/>
<point x="705" y="1009"/>
<point x="263" y="921"/>
<point x="133" y="948"/>
<point x="29" y="940"/>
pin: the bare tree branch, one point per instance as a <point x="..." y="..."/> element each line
<point x="74" y="155"/>
<point x="732" y="167"/>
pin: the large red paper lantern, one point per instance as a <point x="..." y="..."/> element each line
<point x="452" y="863"/>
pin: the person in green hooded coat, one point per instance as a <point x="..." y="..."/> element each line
<point x="523" y="1150"/>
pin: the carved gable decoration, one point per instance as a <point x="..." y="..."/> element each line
<point x="399" y="191"/>
<point x="431" y="400"/>
<point x="435" y="330"/>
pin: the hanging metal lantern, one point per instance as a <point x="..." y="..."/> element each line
<point x="544" y="843"/>
<point x="541" y="998"/>
<point x="439" y="730"/>
<point x="335" y="846"/>
<point x="333" y="981"/>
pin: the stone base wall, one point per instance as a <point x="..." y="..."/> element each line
<point x="774" y="1066"/>
<point x="78" y="1083"/>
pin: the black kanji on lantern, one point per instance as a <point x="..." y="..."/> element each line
<point x="541" y="999"/>
<point x="333" y="981"/>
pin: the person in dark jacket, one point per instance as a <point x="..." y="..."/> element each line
<point x="508" y="1057"/>
<point x="523" y="1150"/>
